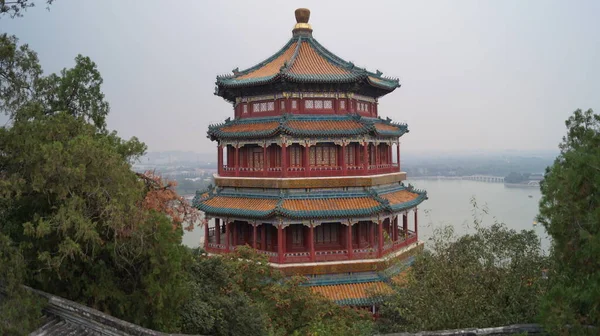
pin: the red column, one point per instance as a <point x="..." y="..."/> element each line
<point x="206" y="235"/>
<point x="284" y="233"/>
<point x="380" y="240"/>
<point x="218" y="230"/>
<point x="234" y="228"/>
<point x="280" y="244"/>
<point x="306" y="160"/>
<point x="405" y="225"/>
<point x="237" y="161"/>
<point x="227" y="230"/>
<point x="349" y="242"/>
<point x="220" y="160"/>
<point x="377" y="155"/>
<point x="265" y="160"/>
<point x="416" y="226"/>
<point x="344" y="163"/>
<point x="284" y="159"/>
<point x="311" y="243"/>
<point x="398" y="155"/>
<point x="390" y="155"/>
<point x="365" y="157"/>
<point x="254" y="228"/>
<point x="263" y="237"/>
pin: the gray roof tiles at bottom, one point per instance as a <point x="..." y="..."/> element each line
<point x="53" y="325"/>
<point x="64" y="317"/>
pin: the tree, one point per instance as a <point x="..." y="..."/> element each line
<point x="162" y="197"/>
<point x="241" y="294"/>
<point x="20" y="311"/>
<point x="81" y="218"/>
<point x="489" y="278"/>
<point x="15" y="8"/>
<point x="570" y="212"/>
<point x="26" y="94"/>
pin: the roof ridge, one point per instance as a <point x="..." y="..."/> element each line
<point x="264" y="62"/>
<point x="333" y="58"/>
<point x="287" y="65"/>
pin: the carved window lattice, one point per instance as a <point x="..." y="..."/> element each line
<point x="274" y="156"/>
<point x="332" y="156"/>
<point x="350" y="150"/>
<point x="328" y="104"/>
<point x="294" y="104"/>
<point x="256" y="158"/>
<point x="342" y="104"/>
<point x="295" y="156"/>
<point x="297" y="235"/>
<point x="363" y="107"/>
<point x="245" y="108"/>
<point x="323" y="156"/>
<point x="327" y="233"/>
<point x="318" y="104"/>
<point x="263" y="107"/>
<point x="282" y="105"/>
<point x="319" y="151"/>
<point x="309" y="104"/>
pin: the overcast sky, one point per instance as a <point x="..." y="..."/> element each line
<point x="475" y="75"/>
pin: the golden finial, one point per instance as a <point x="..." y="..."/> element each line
<point x="302" y="26"/>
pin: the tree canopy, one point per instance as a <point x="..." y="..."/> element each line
<point x="491" y="277"/>
<point x="241" y="294"/>
<point x="89" y="229"/>
<point x="15" y="8"/>
<point x="570" y="212"/>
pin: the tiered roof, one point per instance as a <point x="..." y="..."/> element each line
<point x="354" y="294"/>
<point x="303" y="60"/>
<point x="306" y="126"/>
<point x="323" y="204"/>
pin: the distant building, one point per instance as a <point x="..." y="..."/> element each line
<point x="306" y="173"/>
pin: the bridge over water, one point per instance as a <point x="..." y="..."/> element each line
<point x="484" y="178"/>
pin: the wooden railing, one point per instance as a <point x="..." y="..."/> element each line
<point x="313" y="171"/>
<point x="369" y="252"/>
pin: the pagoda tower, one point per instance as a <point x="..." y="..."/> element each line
<point x="308" y="173"/>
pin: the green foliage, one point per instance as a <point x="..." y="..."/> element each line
<point x="20" y="311"/>
<point x="570" y="212"/>
<point x="240" y="294"/>
<point x="15" y="8"/>
<point x="72" y="204"/>
<point x="26" y="94"/>
<point x="489" y="278"/>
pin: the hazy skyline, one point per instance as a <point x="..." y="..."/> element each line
<point x="475" y="75"/>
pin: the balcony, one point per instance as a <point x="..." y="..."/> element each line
<point x="313" y="171"/>
<point x="291" y="257"/>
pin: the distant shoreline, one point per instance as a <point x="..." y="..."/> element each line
<point x="527" y="185"/>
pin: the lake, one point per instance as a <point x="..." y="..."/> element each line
<point x="450" y="203"/>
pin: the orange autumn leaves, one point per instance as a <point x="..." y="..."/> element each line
<point x="162" y="197"/>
